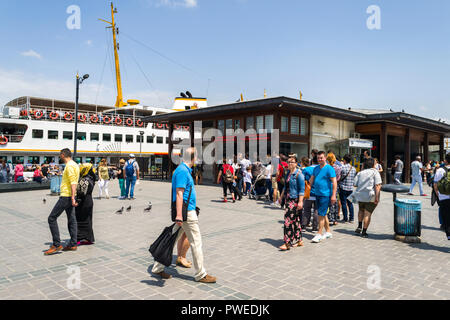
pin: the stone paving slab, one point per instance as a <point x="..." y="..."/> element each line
<point x="240" y="243"/>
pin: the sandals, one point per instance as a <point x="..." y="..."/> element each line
<point x="285" y="247"/>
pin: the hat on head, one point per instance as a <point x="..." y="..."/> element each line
<point x="132" y="155"/>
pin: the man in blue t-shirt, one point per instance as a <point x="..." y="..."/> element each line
<point x="182" y="186"/>
<point x="323" y="180"/>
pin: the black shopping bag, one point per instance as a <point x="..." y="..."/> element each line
<point x="162" y="248"/>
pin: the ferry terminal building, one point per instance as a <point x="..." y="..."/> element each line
<point x="305" y="125"/>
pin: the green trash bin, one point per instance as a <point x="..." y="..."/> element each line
<point x="407" y="217"/>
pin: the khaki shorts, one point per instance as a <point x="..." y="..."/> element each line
<point x="367" y="206"/>
<point x="274" y="183"/>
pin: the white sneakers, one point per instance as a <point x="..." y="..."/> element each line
<point x="319" y="237"/>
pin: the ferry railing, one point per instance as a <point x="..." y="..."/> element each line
<point x="12" y="137"/>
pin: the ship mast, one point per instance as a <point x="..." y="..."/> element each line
<point x="119" y="100"/>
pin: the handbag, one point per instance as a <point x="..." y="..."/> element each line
<point x="184" y="209"/>
<point x="162" y="248"/>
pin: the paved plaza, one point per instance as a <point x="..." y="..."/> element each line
<point x="240" y="243"/>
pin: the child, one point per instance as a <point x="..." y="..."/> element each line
<point x="247" y="180"/>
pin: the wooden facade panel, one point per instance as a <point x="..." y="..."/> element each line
<point x="417" y="135"/>
<point x="369" y="128"/>
<point x="395" y="130"/>
<point x="434" y="138"/>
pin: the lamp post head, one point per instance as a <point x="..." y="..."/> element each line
<point x="85" y="76"/>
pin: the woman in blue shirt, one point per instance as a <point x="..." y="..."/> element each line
<point x="295" y="184"/>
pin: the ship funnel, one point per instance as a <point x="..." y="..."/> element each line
<point x="189" y="94"/>
<point x="183" y="95"/>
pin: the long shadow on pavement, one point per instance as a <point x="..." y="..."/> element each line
<point x="160" y="282"/>
<point x="373" y="236"/>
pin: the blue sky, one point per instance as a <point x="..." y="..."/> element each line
<point x="225" y="47"/>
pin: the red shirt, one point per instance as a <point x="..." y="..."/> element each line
<point x="281" y="168"/>
<point x="226" y="167"/>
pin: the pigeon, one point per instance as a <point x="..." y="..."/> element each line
<point x="149" y="207"/>
<point x="129" y="208"/>
<point x="44" y="200"/>
<point x="119" y="211"/>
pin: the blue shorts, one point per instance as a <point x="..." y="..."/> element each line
<point x="322" y="205"/>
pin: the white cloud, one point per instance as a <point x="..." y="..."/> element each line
<point x="38" y="85"/>
<point x="177" y="3"/>
<point x="88" y="43"/>
<point x="31" y="53"/>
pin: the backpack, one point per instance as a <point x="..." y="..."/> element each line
<point x="129" y="169"/>
<point x="228" y="176"/>
<point x="444" y="184"/>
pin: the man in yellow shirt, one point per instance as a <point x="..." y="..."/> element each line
<point x="66" y="203"/>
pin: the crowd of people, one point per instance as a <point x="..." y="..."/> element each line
<point x="315" y="191"/>
<point x="10" y="173"/>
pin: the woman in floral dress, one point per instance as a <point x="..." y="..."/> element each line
<point x="295" y="184"/>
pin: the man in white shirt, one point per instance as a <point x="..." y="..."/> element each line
<point x="444" y="199"/>
<point x="416" y="174"/>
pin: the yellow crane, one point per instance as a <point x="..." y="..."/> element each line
<point x="115" y="31"/>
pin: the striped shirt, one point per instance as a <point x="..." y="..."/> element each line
<point x="347" y="183"/>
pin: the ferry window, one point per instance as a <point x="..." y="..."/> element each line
<point x="67" y="135"/>
<point x="37" y="134"/>
<point x="150" y="139"/>
<point x="17" y="159"/>
<point x="90" y="159"/>
<point x="53" y="134"/>
<point x="269" y="123"/>
<point x="250" y="123"/>
<point x="167" y="140"/>
<point x="118" y="138"/>
<point x="81" y="136"/>
<point x="304" y="126"/>
<point x="95" y="136"/>
<point x="49" y="159"/>
<point x="284" y="124"/>
<point x="33" y="160"/>
<point x="139" y="139"/>
<point x="78" y="160"/>
<point x="106" y="137"/>
<point x="295" y="125"/>
<point x="159" y="140"/>
<point x="129" y="138"/>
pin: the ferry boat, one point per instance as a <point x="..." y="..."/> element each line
<point x="33" y="130"/>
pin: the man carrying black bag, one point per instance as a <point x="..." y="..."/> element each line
<point x="185" y="216"/>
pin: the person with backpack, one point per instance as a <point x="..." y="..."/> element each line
<point x="131" y="176"/>
<point x="442" y="188"/>
<point x="227" y="175"/>
<point x="367" y="194"/>
<point x="309" y="203"/>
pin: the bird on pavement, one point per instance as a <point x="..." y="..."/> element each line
<point x="129" y="208"/>
<point x="149" y="207"/>
<point x="119" y="211"/>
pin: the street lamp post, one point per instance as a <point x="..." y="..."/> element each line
<point x="79" y="81"/>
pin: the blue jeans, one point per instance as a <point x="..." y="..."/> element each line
<point x="343" y="195"/>
<point x="240" y="185"/>
<point x="130" y="181"/>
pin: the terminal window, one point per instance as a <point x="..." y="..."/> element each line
<point x="67" y="135"/>
<point x="37" y="134"/>
<point x="284" y="124"/>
